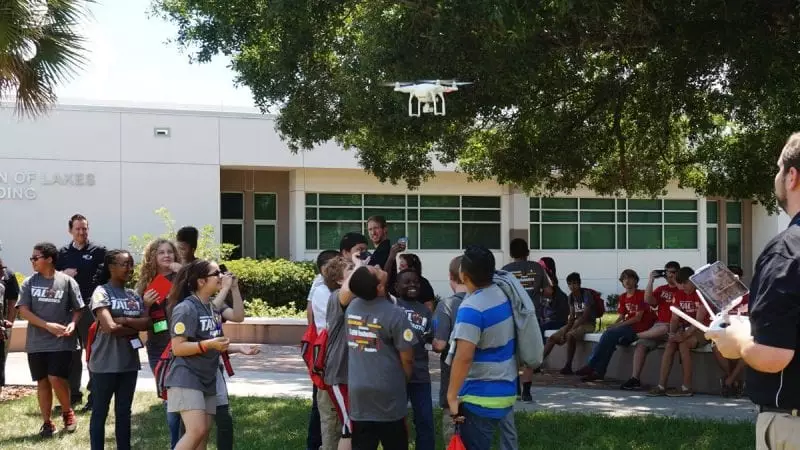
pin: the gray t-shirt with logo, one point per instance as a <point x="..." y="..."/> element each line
<point x="336" y="353"/>
<point x="52" y="300"/>
<point x="444" y="320"/>
<point x="195" y="321"/>
<point x="115" y="354"/>
<point x="377" y="331"/>
<point x="419" y="317"/>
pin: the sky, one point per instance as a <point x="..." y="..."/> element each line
<point x="130" y="61"/>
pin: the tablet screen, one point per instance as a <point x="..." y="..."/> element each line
<point x="721" y="287"/>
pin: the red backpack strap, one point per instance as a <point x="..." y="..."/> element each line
<point x="90" y="339"/>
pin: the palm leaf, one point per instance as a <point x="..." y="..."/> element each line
<point x="51" y="27"/>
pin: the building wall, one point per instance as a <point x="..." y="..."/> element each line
<point x="765" y="227"/>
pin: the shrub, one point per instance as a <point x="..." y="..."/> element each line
<point x="612" y="301"/>
<point x="207" y="246"/>
<point x="277" y="282"/>
<point x="259" y="308"/>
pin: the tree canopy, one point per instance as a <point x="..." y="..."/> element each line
<point x="618" y="96"/>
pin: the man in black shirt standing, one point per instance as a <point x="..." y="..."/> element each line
<point x="9" y="294"/>
<point x="769" y="344"/>
<point x="80" y="260"/>
<point x="379" y="235"/>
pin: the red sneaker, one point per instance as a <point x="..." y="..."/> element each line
<point x="70" y="422"/>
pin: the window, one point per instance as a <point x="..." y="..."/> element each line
<point x="232" y="212"/>
<point x="712" y="231"/>
<point x="607" y="223"/>
<point x="266" y="215"/>
<point x="733" y="231"/>
<point x="431" y="222"/>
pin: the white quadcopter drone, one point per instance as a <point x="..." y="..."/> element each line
<point x="429" y="94"/>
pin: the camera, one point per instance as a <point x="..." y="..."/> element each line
<point x="660" y="273"/>
<point x="223" y="269"/>
<point x="403" y="241"/>
<point x="364" y="255"/>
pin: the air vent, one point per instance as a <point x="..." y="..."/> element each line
<point x="161" y="132"/>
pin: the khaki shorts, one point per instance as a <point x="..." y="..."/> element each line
<point x="577" y="333"/>
<point x="651" y="344"/>
<point x="776" y="430"/>
<point x="183" y="399"/>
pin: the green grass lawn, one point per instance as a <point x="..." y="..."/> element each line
<point x="264" y="423"/>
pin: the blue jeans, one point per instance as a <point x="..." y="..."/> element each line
<point x="604" y="350"/>
<point x="422" y="405"/>
<point x="121" y="386"/>
<point x="508" y="433"/>
<point x="314" y="439"/>
<point x="478" y="432"/>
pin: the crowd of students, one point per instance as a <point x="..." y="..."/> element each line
<point x="180" y="300"/>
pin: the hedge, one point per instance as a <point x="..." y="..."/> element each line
<point x="277" y="282"/>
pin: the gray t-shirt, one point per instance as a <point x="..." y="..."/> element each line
<point x="336" y="353"/>
<point x="115" y="354"/>
<point x="419" y="317"/>
<point x="52" y="300"/>
<point x="195" y="321"/>
<point x="444" y="319"/>
<point x="377" y="331"/>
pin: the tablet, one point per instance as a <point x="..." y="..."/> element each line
<point x="719" y="286"/>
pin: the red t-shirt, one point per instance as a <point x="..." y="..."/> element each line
<point x="690" y="304"/>
<point x="665" y="296"/>
<point x="630" y="306"/>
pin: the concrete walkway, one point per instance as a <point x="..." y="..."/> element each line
<point x="279" y="372"/>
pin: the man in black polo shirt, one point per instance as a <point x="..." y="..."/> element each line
<point x="9" y="294"/>
<point x="379" y="235"/>
<point x="769" y="345"/>
<point x="80" y="260"/>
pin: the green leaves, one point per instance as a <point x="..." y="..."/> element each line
<point x="40" y="48"/>
<point x="619" y="96"/>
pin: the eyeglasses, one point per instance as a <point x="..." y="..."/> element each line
<point x="215" y="273"/>
<point x="36" y="258"/>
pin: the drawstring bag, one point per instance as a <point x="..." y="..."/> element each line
<point x="455" y="442"/>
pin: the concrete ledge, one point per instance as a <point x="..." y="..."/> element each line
<point x="256" y="330"/>
<point x="705" y="372"/>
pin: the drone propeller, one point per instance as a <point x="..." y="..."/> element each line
<point x="397" y="83"/>
<point x="447" y="82"/>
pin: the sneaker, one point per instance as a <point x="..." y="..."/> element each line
<point x="657" y="391"/>
<point x="70" y="422"/>
<point x="566" y="371"/>
<point x="631" y="385"/>
<point x="583" y="371"/>
<point x="47" y="430"/>
<point x="527" y="398"/>
<point x="682" y="392"/>
<point x="591" y="376"/>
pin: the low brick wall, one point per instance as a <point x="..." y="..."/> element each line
<point x="254" y="330"/>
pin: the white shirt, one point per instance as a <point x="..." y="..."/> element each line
<point x="319" y="306"/>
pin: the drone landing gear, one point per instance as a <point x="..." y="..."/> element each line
<point x="437" y="108"/>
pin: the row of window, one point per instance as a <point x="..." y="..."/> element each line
<point x="451" y="222"/>
<point x="436" y="222"/>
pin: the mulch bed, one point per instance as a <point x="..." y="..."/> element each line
<point x="15" y="392"/>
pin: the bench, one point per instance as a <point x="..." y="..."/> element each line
<point x="706" y="372"/>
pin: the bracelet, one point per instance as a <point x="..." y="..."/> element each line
<point x="201" y="347"/>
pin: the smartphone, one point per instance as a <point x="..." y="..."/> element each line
<point x="719" y="286"/>
<point x="223" y="269"/>
<point x="660" y="273"/>
<point x="364" y="255"/>
<point x="403" y="241"/>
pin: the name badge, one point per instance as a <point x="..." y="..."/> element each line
<point x="160" y="326"/>
<point x="136" y="343"/>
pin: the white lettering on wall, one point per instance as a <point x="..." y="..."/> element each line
<point x="22" y="185"/>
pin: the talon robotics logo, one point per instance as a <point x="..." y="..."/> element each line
<point x="179" y="328"/>
<point x="408" y="335"/>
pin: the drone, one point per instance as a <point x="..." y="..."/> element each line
<point x="429" y="94"/>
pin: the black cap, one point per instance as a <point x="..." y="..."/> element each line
<point x="350" y="240"/>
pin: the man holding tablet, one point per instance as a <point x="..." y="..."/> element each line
<point x="769" y="344"/>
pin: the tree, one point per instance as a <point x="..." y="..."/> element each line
<point x="40" y="48"/>
<point x="619" y="96"/>
<point x="207" y="245"/>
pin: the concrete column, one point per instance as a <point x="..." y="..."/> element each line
<point x="297" y="214"/>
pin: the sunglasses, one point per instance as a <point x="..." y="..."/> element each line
<point x="215" y="273"/>
<point x="36" y="258"/>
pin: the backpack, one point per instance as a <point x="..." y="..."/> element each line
<point x="312" y="349"/>
<point x="599" y="303"/>
<point x="162" y="369"/>
<point x="530" y="346"/>
<point x="90" y="339"/>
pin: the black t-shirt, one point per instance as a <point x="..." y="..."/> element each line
<point x="775" y="318"/>
<point x="10" y="291"/>
<point x="86" y="261"/>
<point x="381" y="254"/>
